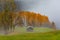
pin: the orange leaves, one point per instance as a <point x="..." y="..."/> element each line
<point x="31" y="16"/>
<point x="44" y="19"/>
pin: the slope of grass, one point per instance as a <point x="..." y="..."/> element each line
<point x="38" y="34"/>
<point x="33" y="36"/>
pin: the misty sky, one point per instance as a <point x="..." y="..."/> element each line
<point x="51" y="8"/>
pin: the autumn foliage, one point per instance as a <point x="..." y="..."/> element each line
<point x="24" y="19"/>
<point x="33" y="19"/>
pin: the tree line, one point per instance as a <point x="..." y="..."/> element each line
<point x="9" y="18"/>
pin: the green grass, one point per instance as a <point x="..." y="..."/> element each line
<point x="38" y="34"/>
<point x="35" y="29"/>
<point x="33" y="36"/>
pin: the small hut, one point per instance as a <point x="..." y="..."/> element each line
<point x="30" y="29"/>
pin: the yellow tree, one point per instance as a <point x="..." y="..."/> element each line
<point x="7" y="17"/>
<point x="39" y="20"/>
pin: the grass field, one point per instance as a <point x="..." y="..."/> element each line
<point x="52" y="35"/>
<point x="35" y="29"/>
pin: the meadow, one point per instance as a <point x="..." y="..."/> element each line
<point x="36" y="35"/>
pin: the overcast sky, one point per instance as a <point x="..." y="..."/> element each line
<point x="51" y="8"/>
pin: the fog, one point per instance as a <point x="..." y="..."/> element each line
<point x="50" y="8"/>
